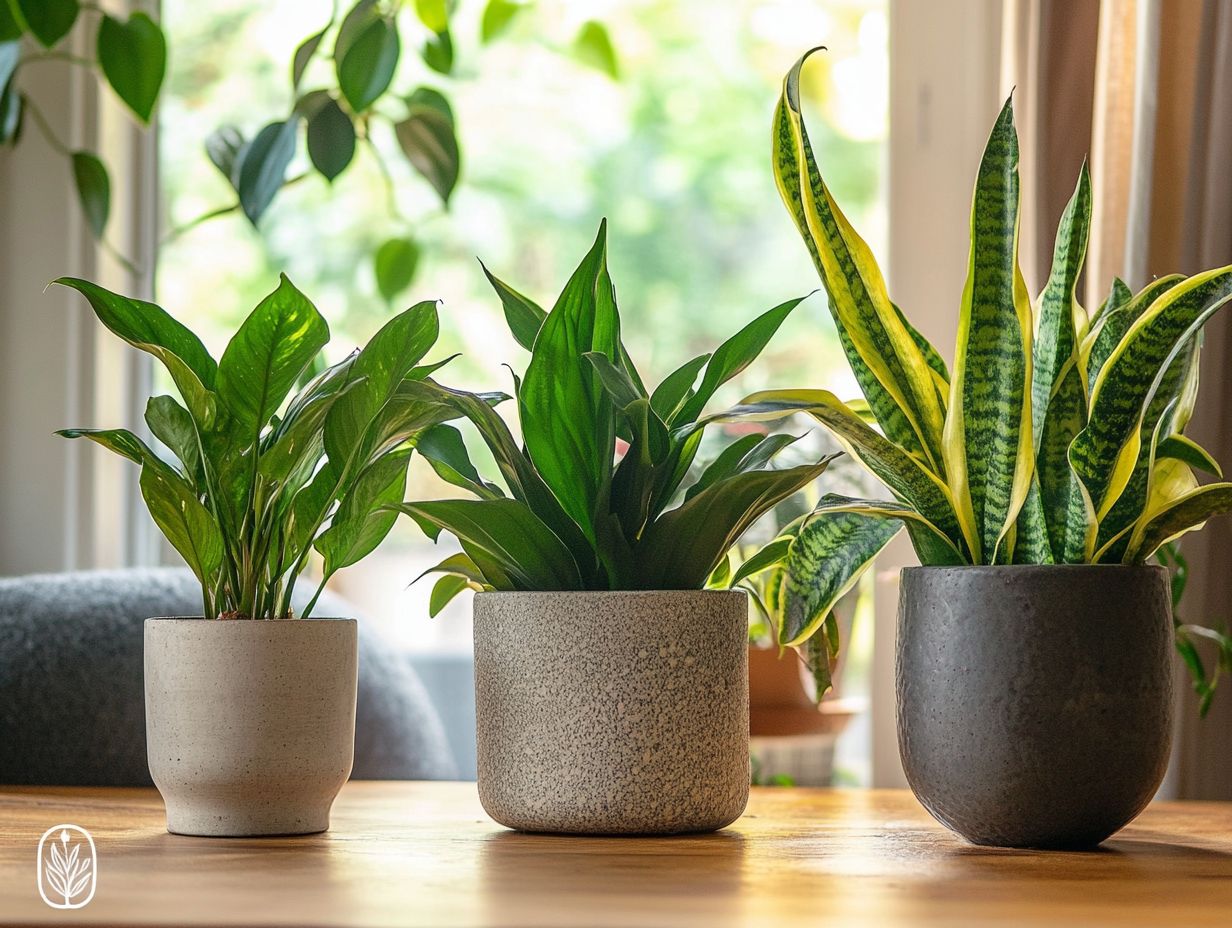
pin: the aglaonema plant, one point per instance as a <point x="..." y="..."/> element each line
<point x="595" y="500"/>
<point x="261" y="476"/>
<point x="1059" y="436"/>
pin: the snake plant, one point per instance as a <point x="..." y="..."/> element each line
<point x="594" y="500"/>
<point x="1057" y="439"/>
<point x="260" y="482"/>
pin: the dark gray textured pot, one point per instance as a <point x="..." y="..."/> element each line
<point x="1034" y="702"/>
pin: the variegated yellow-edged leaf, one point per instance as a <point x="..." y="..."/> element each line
<point x="908" y="478"/>
<point x="1182" y="515"/>
<point x="1105" y="453"/>
<point x="1118" y="296"/>
<point x="989" y="451"/>
<point x="1104" y="336"/>
<point x="1071" y="526"/>
<point x="833" y="502"/>
<point x="890" y="367"/>
<point x="1032" y="544"/>
<point x="1183" y="448"/>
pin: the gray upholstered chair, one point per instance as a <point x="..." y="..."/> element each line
<point x="72" y="706"/>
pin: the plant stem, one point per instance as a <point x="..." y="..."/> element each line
<point x="176" y="232"/>
<point x="45" y="128"/>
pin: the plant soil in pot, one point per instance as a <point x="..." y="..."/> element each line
<point x="250" y="726"/>
<point x="612" y="689"/>
<point x="1035" y="703"/>
<point x="250" y="713"/>
<point x="612" y="712"/>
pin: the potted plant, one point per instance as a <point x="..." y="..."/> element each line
<point x="611" y="687"/>
<point x="1036" y="482"/>
<point x="250" y="723"/>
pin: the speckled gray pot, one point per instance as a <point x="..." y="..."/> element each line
<point x="250" y="725"/>
<point x="613" y="712"/>
<point x="1034" y="702"/>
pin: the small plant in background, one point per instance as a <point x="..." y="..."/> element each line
<point x="1059" y="438"/>
<point x="259" y="481"/>
<point x="1188" y="636"/>
<point x="596" y="498"/>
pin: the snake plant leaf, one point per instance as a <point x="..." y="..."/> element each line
<point x="1069" y="523"/>
<point x="1118" y="296"/>
<point x="1112" y="326"/>
<point x="1182" y="515"/>
<point x="826" y="560"/>
<point x="676" y="388"/>
<point x="1032" y="544"/>
<point x="906" y="476"/>
<point x="1105" y="453"/>
<point x="523" y="315"/>
<point x="989" y="451"/>
<point x="173" y="425"/>
<point x="733" y="356"/>
<point x="1062" y="321"/>
<point x="183" y="519"/>
<point x="444" y="591"/>
<point x="267" y="355"/>
<point x="937" y="539"/>
<point x="563" y="409"/>
<point x="362" y="520"/>
<point x="932" y="357"/>
<point x="684" y="545"/>
<point x="443" y="448"/>
<point x="1183" y="448"/>
<point x="506" y="531"/>
<point x="889" y="366"/>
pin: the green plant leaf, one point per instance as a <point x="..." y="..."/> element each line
<point x="443" y="448"/>
<point x="10" y="27"/>
<point x="1070" y="523"/>
<point x="1125" y="308"/>
<point x="437" y="53"/>
<point x="12" y="109"/>
<point x="989" y="451"/>
<point x="892" y="371"/>
<point x="331" y="140"/>
<point x="676" y="388"/>
<point x="303" y="55"/>
<point x="133" y="57"/>
<point x="296" y="443"/>
<point x="428" y="141"/>
<point x="395" y="264"/>
<point x="593" y="47"/>
<point x="497" y="16"/>
<point x="443" y="592"/>
<point x="260" y="168"/>
<point x="172" y="424"/>
<point x="619" y="386"/>
<point x="826" y="560"/>
<point x="48" y="20"/>
<point x="523" y="315"/>
<point x="363" y="518"/>
<point x="119" y="441"/>
<point x="433" y="13"/>
<point x="93" y="190"/>
<point x="367" y="65"/>
<point x="266" y="356"/>
<point x="183" y="520"/>
<point x="767" y="558"/>
<point x="1117" y="297"/>
<point x="734" y="355"/>
<point x="1182" y="448"/>
<point x="223" y="147"/>
<point x="433" y="99"/>
<point x="1181" y="515"/>
<point x="506" y="531"/>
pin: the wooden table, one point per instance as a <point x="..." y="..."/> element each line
<point x="425" y="854"/>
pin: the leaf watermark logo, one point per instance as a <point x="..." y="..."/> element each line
<point x="67" y="867"/>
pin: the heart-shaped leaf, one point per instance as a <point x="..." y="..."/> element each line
<point x="93" y="190"/>
<point x="395" y="264"/>
<point x="223" y="147"/>
<point x="133" y="57"/>
<point x="438" y="53"/>
<point x="367" y="66"/>
<point x="331" y="140"/>
<point x="497" y="16"/>
<point x="49" y="20"/>
<point x="428" y="141"/>
<point x="261" y="167"/>
<point x="593" y="47"/>
<point x="433" y="13"/>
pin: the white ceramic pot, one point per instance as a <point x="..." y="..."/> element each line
<point x="250" y="725"/>
<point x="613" y="712"/>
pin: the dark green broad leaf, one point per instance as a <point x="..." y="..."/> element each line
<point x="133" y="56"/>
<point x="505" y="531"/>
<point x="434" y="99"/>
<point x="593" y="46"/>
<point x="676" y="388"/>
<point x="367" y="66"/>
<point x="48" y="20"/>
<point x="429" y="143"/>
<point x="261" y="167"/>
<point x="523" y="315"/>
<point x="444" y="449"/>
<point x="12" y="107"/>
<point x="363" y="518"/>
<point x="267" y="354"/>
<point x="118" y="441"/>
<point x="93" y="190"/>
<point x="172" y="424"/>
<point x="303" y="55"/>
<point x="223" y="147"/>
<point x="331" y="140"/>
<point x="433" y="13"/>
<point x="354" y="23"/>
<point x="497" y="16"/>
<point x="185" y="522"/>
<point x="395" y="264"/>
<point x="10" y="28"/>
<point x="437" y="53"/>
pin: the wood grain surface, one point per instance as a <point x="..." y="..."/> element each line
<point x="405" y="854"/>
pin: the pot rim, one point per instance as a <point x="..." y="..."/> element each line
<point x="1034" y="568"/>
<point x="265" y="623"/>
<point x="608" y="594"/>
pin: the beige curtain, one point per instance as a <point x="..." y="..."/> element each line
<point x="1144" y="86"/>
